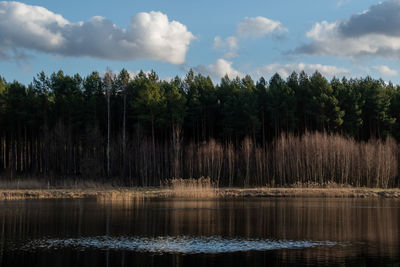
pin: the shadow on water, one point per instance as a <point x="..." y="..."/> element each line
<point x="179" y="232"/>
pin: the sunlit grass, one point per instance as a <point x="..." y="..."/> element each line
<point x="192" y="188"/>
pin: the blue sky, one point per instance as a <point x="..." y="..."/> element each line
<point x="338" y="37"/>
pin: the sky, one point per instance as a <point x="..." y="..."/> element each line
<point x="260" y="37"/>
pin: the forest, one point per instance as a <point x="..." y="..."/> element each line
<point x="142" y="130"/>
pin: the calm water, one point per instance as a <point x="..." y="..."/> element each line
<point x="258" y="232"/>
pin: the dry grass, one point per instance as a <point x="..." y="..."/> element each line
<point x="328" y="184"/>
<point x="192" y="188"/>
<point x="348" y="192"/>
<point x="204" y="191"/>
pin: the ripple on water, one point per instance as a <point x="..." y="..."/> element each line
<point x="174" y="244"/>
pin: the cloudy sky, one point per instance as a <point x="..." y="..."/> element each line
<point x="349" y="38"/>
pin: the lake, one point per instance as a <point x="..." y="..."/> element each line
<point x="179" y="232"/>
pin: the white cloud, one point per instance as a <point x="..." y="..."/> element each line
<point x="224" y="67"/>
<point x="385" y="70"/>
<point x="149" y="35"/>
<point x="286" y="69"/>
<point x="374" y="32"/>
<point x="229" y="45"/>
<point x="219" y="69"/>
<point x="341" y="3"/>
<point x="258" y="27"/>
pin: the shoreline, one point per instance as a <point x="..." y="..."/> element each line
<point x="220" y="193"/>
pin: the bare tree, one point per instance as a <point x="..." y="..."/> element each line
<point x="108" y="84"/>
<point x="123" y="83"/>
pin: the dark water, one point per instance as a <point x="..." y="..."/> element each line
<point x="258" y="232"/>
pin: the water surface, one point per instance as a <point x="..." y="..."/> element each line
<point x="177" y="232"/>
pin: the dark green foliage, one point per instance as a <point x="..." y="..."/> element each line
<point x="174" y="106"/>
<point x="377" y="120"/>
<point x="350" y="102"/>
<point x="57" y="125"/>
<point x="281" y="104"/>
<point x="238" y="108"/>
<point x="394" y="94"/>
<point x="326" y="109"/>
<point x="201" y="106"/>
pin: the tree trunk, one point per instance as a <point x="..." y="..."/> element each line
<point x="176" y="143"/>
<point x="108" y="131"/>
<point x="124" y="136"/>
<point x="153" y="148"/>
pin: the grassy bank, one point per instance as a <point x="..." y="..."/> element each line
<point x="202" y="188"/>
<point x="139" y="193"/>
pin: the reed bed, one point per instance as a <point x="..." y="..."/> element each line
<point x="130" y="196"/>
<point x="192" y="188"/>
<point x="321" y="158"/>
<point x="317" y="159"/>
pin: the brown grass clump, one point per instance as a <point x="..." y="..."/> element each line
<point x="133" y="196"/>
<point x="327" y="185"/>
<point x="192" y="188"/>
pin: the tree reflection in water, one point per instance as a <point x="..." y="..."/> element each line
<point x="316" y="231"/>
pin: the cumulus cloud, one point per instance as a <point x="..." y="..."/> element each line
<point x="258" y="27"/>
<point x="286" y="69"/>
<point x="385" y="70"/>
<point x="219" y="69"/>
<point x="374" y="32"/>
<point x="228" y="45"/>
<point x="150" y="35"/>
<point x="255" y="27"/>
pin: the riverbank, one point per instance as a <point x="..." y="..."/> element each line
<point x="137" y="193"/>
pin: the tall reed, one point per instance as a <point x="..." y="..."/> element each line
<point x="192" y="188"/>
<point x="317" y="158"/>
<point x="321" y="158"/>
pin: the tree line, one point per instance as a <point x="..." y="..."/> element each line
<point x="141" y="130"/>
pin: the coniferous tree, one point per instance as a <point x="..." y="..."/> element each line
<point x="108" y="80"/>
<point x="123" y="81"/>
<point x="377" y="120"/>
<point x="145" y="130"/>
<point x="327" y="113"/>
<point x="262" y="107"/>
<point x="281" y="105"/>
<point x="350" y="102"/>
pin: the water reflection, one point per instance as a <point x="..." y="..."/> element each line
<point x="172" y="244"/>
<point x="297" y="230"/>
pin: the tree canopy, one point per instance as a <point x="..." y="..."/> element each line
<point x="60" y="118"/>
